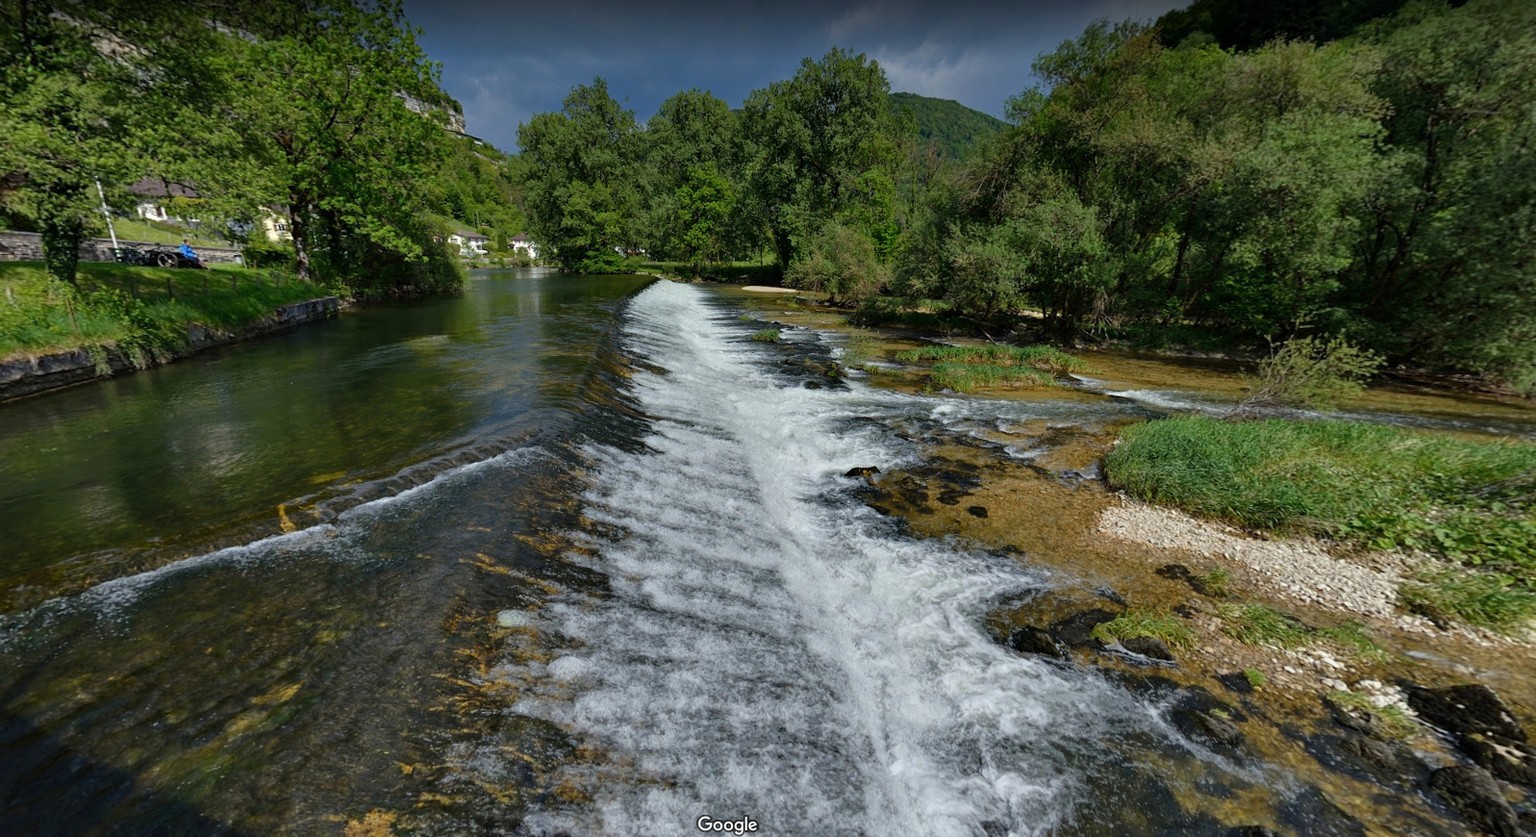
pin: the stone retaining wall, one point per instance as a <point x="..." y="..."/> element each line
<point x="28" y="246"/>
<point x="28" y="376"/>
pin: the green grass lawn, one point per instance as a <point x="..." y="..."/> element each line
<point x="138" y="229"/>
<point x="146" y="307"/>
<point x="1471" y="502"/>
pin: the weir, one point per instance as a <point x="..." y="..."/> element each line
<point x="568" y="557"/>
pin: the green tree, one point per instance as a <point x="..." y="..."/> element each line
<point x="691" y="144"/>
<point x="583" y="189"/>
<point x="1444" y="269"/>
<point x="704" y="203"/>
<point x="84" y="89"/>
<point x="820" y="147"/>
<point x="325" y="113"/>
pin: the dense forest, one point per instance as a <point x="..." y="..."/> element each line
<point x="1242" y="183"/>
<point x="327" y="113"/>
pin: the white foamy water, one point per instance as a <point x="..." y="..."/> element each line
<point x="772" y="648"/>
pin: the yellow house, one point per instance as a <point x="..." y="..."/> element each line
<point x="276" y="228"/>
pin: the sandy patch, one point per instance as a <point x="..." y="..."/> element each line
<point x="1302" y="569"/>
<point x="764" y="289"/>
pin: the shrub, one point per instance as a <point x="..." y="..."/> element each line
<point x="1310" y="373"/>
<point x="767" y="335"/>
<point x="842" y="262"/>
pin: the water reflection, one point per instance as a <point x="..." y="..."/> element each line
<point x="169" y="457"/>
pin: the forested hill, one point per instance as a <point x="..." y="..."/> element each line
<point x="1244" y="24"/>
<point x="954" y="128"/>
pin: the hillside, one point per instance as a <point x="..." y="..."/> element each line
<point x="1245" y="25"/>
<point x="954" y="128"/>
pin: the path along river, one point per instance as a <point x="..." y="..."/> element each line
<point x="561" y="555"/>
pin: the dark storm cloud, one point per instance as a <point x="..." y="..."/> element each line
<point x="507" y="61"/>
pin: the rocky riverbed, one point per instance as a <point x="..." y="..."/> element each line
<point x="1294" y="654"/>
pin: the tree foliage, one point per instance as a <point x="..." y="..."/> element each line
<point x="1379" y="184"/>
<point x="583" y="186"/>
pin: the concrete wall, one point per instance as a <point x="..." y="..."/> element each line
<point x="26" y="246"/>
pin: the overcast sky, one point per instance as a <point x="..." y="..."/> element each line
<point x="508" y="61"/>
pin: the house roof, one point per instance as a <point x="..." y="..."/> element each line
<point x="522" y="237"/>
<point x="154" y="187"/>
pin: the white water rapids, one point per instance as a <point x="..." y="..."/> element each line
<point x="775" y="650"/>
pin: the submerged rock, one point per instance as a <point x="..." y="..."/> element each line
<point x="866" y="473"/>
<point x="1148" y="646"/>
<point x="1472" y="708"/>
<point x="1032" y="640"/>
<point x="1473" y="793"/>
<point x="1214" y="729"/>
<point x="1076" y="630"/>
<point x="1379" y="755"/>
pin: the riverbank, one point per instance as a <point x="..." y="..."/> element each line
<point x="1298" y="653"/>
<point x="121" y="318"/>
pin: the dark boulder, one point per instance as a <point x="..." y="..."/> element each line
<point x="1214" y="729"/>
<point x="1465" y="709"/>
<point x="1473" y="793"/>
<point x="1173" y="571"/>
<point x="1236" y="681"/>
<point x="1512" y="761"/>
<point x="866" y="473"/>
<point x="1201" y="717"/>
<point x="977" y="511"/>
<point x="1253" y="831"/>
<point x="1148" y="646"/>
<point x="1377" y="754"/>
<point x="1032" y="640"/>
<point x="1076" y="630"/>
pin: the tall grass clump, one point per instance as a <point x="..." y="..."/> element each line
<point x="1138" y="623"/>
<point x="964" y="368"/>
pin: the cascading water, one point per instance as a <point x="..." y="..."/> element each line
<point x="771" y="648"/>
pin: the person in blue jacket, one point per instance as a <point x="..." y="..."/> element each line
<point x="186" y="251"/>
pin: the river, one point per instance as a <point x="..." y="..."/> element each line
<point x="560" y="555"/>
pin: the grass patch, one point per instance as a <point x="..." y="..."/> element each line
<point x="1256" y="624"/>
<point x="1134" y="623"/>
<point x="1490" y="599"/>
<point x="1217" y="583"/>
<point x="1369" y="485"/>
<point x="159" y="232"/>
<point x="859" y="349"/>
<point x="142" y="310"/>
<point x="1255" y="678"/>
<point x="767" y="335"/>
<point x="964" y="368"/>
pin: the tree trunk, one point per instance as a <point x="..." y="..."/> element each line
<point x="298" y="227"/>
<point x="61" y="246"/>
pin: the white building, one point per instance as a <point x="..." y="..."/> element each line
<point x="523" y="244"/>
<point x="470" y="244"/>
